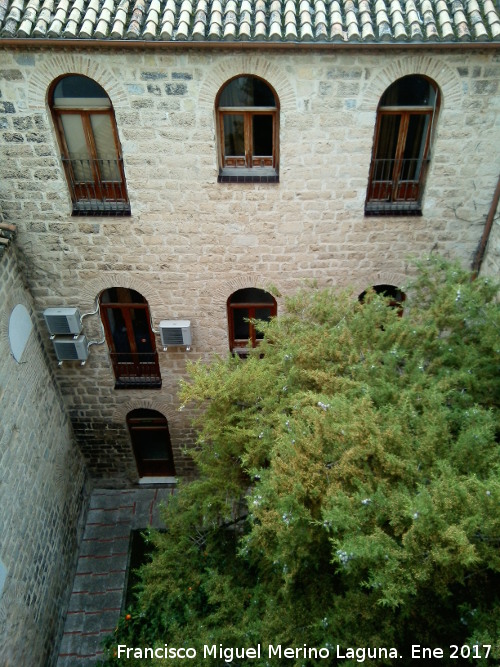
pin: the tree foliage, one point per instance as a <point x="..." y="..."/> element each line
<point x="349" y="487"/>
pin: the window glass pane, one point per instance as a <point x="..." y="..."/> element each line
<point x="153" y="444"/>
<point x="251" y="295"/>
<point x="77" y="148"/>
<point x="386" y="147"/>
<point x="241" y="327"/>
<point x="263" y="314"/>
<point x="234" y="137"/>
<point x="105" y="147"/>
<point x="409" y="91"/>
<point x="262" y="135"/>
<point x="79" y="91"/>
<point x="140" y="323"/>
<point x="388" y="137"/>
<point x="103" y="136"/>
<point x="75" y="136"/>
<point x="416" y="138"/>
<point x="247" y="91"/>
<point x="121" y="295"/>
<point x="118" y="330"/>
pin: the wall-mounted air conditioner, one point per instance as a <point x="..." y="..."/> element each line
<point x="71" y="349"/>
<point x="63" y="321"/>
<point x="175" y="333"/>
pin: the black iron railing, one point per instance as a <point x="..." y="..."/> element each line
<point x="136" y="369"/>
<point x="396" y="184"/>
<point x="97" y="187"/>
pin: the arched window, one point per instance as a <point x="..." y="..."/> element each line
<point x="401" y="150"/>
<point x="131" y="341"/>
<point x="243" y="305"/>
<point x="395" y="295"/>
<point x="151" y="443"/>
<point x="90" y="147"/>
<point x="247" y="116"/>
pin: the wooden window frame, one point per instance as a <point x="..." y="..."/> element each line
<point x="250" y="159"/>
<point x="400" y="196"/>
<point x="134" y="369"/>
<point x="248" y="170"/>
<point x="138" y="425"/>
<point x="241" y="346"/>
<point x="99" y="196"/>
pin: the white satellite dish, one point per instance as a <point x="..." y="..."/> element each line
<point x="20" y="326"/>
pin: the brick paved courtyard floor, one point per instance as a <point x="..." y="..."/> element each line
<point x="99" y="585"/>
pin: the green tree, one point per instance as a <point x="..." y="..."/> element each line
<point x="349" y="487"/>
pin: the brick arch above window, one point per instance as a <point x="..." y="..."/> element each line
<point x="53" y="67"/>
<point x="432" y="67"/>
<point x="363" y="282"/>
<point x="222" y="290"/>
<point x="93" y="289"/>
<point x="121" y="411"/>
<point x="250" y="65"/>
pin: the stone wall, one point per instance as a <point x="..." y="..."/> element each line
<point x="491" y="262"/>
<point x="43" y="491"/>
<point x="190" y="241"/>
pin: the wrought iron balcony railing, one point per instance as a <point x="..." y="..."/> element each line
<point x="136" y="370"/>
<point x="97" y="187"/>
<point x="396" y="185"/>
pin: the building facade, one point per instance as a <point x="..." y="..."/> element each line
<point x="189" y="224"/>
<point x="175" y="168"/>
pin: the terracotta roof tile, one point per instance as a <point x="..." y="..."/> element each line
<point x="364" y="21"/>
<point x="4" y="5"/>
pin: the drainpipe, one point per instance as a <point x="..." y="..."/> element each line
<point x="481" y="249"/>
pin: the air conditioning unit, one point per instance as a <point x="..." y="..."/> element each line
<point x="71" y="349"/>
<point x="175" y="333"/>
<point x="63" y="321"/>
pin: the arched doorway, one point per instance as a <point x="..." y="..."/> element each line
<point x="132" y="345"/>
<point x="151" y="443"/>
